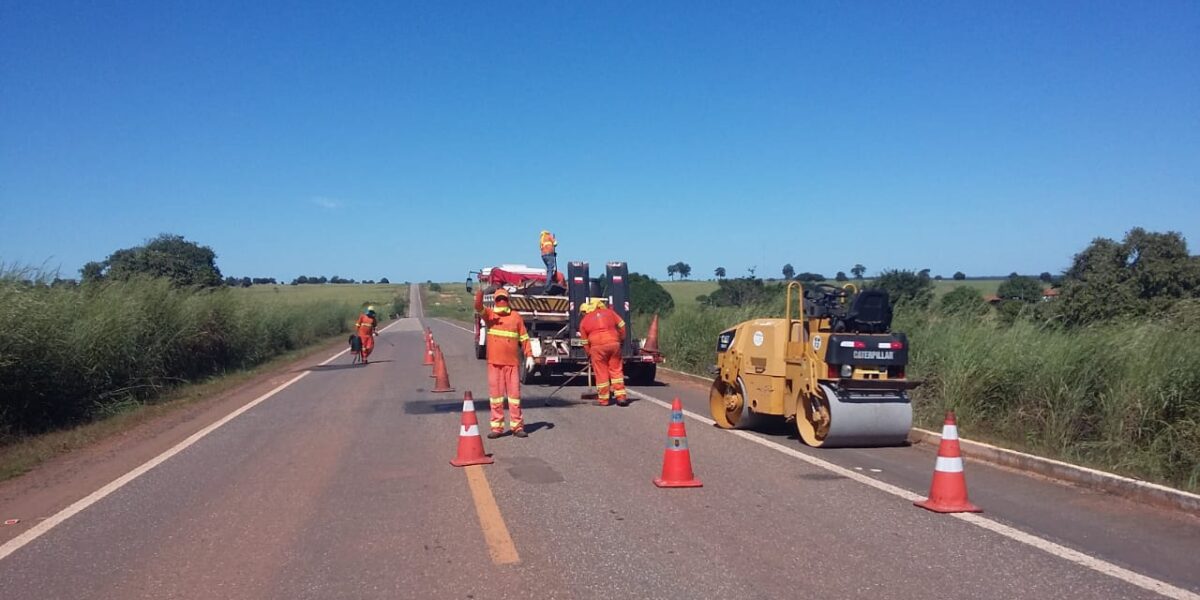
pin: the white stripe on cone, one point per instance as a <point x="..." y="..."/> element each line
<point x="950" y="432"/>
<point x="949" y="465"/>
<point x="468" y="405"/>
<point x="464" y="431"/>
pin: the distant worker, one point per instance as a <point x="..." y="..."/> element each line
<point x="365" y="327"/>
<point x="549" y="248"/>
<point x="506" y="336"/>
<point x="603" y="333"/>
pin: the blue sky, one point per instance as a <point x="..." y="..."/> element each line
<point x="419" y="141"/>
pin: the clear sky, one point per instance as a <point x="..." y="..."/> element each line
<point x="419" y="141"/>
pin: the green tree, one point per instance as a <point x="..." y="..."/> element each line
<point x="684" y="269"/>
<point x="841" y="276"/>
<point x="671" y="270"/>
<point x="92" y="272"/>
<point x="719" y="272"/>
<point x="168" y="256"/>
<point x="384" y="280"/>
<point x="788" y="271"/>
<point x="810" y="277"/>
<point x="1046" y="277"/>
<point x="743" y="291"/>
<point x="1025" y="289"/>
<point x="858" y="271"/>
<point x="906" y="287"/>
<point x="959" y="276"/>
<point x="1145" y="273"/>
<point x="646" y="296"/>
<point x="963" y="300"/>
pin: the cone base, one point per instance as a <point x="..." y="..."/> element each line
<point x="662" y="483"/>
<point x="466" y="462"/>
<point x="437" y="391"/>
<point x="944" y="508"/>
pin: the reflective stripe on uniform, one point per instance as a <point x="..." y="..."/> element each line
<point x="514" y="402"/>
<point x="499" y="400"/>
<point x="524" y="337"/>
<point x="617" y="380"/>
<point x="504" y="334"/>
<point x="585" y="342"/>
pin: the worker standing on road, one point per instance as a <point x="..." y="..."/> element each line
<point x="549" y="247"/>
<point x="506" y="336"/>
<point x="365" y="328"/>
<point x="603" y="332"/>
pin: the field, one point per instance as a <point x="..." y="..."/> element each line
<point x="381" y="295"/>
<point x="72" y="355"/>
<point x="684" y="292"/>
<point x="451" y="301"/>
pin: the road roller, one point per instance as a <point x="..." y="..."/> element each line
<point x="834" y="367"/>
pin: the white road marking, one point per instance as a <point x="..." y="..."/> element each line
<point x="1148" y="583"/>
<point x="53" y="521"/>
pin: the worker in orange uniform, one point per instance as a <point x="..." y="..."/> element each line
<point x="506" y="336"/>
<point x="603" y="332"/>
<point x="365" y="327"/>
<point x="549" y="247"/>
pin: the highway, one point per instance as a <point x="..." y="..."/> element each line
<point x="333" y="481"/>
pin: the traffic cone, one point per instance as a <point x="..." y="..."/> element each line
<point x="650" y="346"/>
<point x="470" y="445"/>
<point x="442" y="383"/>
<point x="436" y="351"/>
<point x="428" y="349"/>
<point x="948" y="491"/>
<point x="677" y="460"/>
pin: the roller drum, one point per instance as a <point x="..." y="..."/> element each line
<point x="860" y="421"/>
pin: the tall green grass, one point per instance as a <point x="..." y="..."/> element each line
<point x="69" y="355"/>
<point x="1124" y="396"/>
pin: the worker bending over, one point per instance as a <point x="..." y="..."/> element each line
<point x="603" y="333"/>
<point x="366" y="326"/>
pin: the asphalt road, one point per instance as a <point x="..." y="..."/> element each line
<point x="338" y="486"/>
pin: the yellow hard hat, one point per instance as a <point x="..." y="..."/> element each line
<point x="587" y="307"/>
<point x="544" y="232"/>
<point x="598" y="303"/>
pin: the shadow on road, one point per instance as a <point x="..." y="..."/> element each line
<point x="340" y="366"/>
<point x="532" y="427"/>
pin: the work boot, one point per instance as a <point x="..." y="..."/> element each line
<point x="495" y="434"/>
<point x="520" y="433"/>
<point x="599" y="403"/>
<point x="622" y="402"/>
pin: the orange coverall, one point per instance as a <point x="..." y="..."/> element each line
<point x="603" y="332"/>
<point x="365" y="327"/>
<point x="505" y="335"/>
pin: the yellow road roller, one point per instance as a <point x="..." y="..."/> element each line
<point x="835" y="368"/>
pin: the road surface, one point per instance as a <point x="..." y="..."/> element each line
<point x="337" y="485"/>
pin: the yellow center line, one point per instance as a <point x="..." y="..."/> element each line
<point x="495" y="532"/>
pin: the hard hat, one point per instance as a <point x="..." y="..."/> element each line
<point x="371" y="309"/>
<point x="587" y="307"/>
<point x="544" y="232"/>
<point x="500" y="293"/>
<point x="598" y="303"/>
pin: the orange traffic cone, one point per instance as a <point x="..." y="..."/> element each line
<point x="948" y="492"/>
<point x="442" y="383"/>
<point x="677" y="460"/>
<point x="436" y="351"/>
<point x="470" y="445"/>
<point x="650" y="346"/>
<point x="428" y="349"/>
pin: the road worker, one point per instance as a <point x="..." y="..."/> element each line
<point x="365" y="327"/>
<point x="603" y="333"/>
<point x="549" y="248"/>
<point x="506" y="338"/>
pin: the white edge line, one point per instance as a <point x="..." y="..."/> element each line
<point x="1169" y="495"/>
<point x="78" y="506"/>
<point x="1148" y="583"/>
